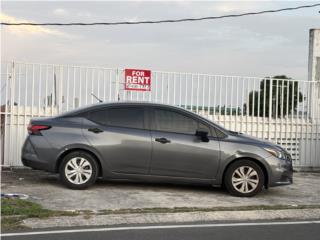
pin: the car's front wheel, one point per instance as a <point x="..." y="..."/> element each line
<point x="244" y="178"/>
<point x="78" y="170"/>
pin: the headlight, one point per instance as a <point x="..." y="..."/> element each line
<point x="275" y="152"/>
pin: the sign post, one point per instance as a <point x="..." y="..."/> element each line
<point x="137" y="80"/>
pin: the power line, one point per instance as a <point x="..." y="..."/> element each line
<point x="159" y="21"/>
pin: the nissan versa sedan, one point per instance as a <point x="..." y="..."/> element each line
<point x="152" y="142"/>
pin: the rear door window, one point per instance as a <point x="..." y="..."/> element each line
<point x="130" y="117"/>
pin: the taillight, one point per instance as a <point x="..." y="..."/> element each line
<point x="36" y="129"/>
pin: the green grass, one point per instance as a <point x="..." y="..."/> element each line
<point x="11" y="223"/>
<point x="14" y="211"/>
<point x="28" y="209"/>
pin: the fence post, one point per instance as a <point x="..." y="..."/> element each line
<point x="270" y="107"/>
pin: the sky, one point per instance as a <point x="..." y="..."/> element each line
<point x="264" y="45"/>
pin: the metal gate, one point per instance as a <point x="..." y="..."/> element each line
<point x="284" y="111"/>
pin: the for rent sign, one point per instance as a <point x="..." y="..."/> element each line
<point x="137" y="80"/>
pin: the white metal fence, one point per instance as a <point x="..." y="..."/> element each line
<point x="280" y="110"/>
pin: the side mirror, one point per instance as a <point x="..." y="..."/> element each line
<point x="203" y="135"/>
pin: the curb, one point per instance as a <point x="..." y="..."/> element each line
<point x="184" y="217"/>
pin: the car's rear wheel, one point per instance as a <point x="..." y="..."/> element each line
<point x="244" y="178"/>
<point x="78" y="170"/>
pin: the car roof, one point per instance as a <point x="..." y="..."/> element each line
<point x="134" y="103"/>
<point x="119" y="103"/>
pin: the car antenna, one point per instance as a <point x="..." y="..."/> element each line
<point x="100" y="101"/>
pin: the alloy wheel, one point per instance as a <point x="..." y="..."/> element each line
<point x="78" y="170"/>
<point x="245" y="179"/>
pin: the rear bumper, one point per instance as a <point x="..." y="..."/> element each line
<point x="34" y="164"/>
<point x="30" y="158"/>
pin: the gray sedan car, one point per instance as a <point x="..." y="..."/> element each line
<point x="152" y="142"/>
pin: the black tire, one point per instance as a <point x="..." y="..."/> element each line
<point x="231" y="171"/>
<point x="91" y="165"/>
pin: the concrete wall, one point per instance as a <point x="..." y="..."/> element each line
<point x="314" y="55"/>
<point x="314" y="70"/>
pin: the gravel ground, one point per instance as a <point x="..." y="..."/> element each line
<point x="45" y="188"/>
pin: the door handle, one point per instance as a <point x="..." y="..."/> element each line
<point x="95" y="130"/>
<point x="162" y="140"/>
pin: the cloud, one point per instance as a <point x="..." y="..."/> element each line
<point x="84" y="14"/>
<point x="23" y="30"/>
<point x="229" y="7"/>
<point x="60" y="12"/>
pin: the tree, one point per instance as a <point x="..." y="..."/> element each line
<point x="287" y="97"/>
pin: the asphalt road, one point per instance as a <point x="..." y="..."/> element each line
<point x="240" y="231"/>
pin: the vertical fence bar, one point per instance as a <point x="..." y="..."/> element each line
<point x="314" y="120"/>
<point x="302" y="159"/>
<point x="92" y="88"/>
<point x="104" y="84"/>
<point x="186" y="93"/>
<point x="242" y="104"/>
<point x="180" y="90"/>
<point x="237" y="107"/>
<point x="264" y="107"/>
<point x="197" y="92"/>
<point x="247" y="106"/>
<point x="20" y="134"/>
<point x="298" y="124"/>
<point x="214" y="98"/>
<point x="39" y="90"/>
<point x="68" y="87"/>
<point x="60" y="104"/>
<point x="312" y="106"/>
<point x="156" y="87"/>
<point x="174" y="89"/>
<point x="226" y="103"/>
<point x="281" y="112"/>
<point x="80" y="87"/>
<point x="12" y="114"/>
<point x="53" y="89"/>
<point x="32" y="91"/>
<point x="308" y="125"/>
<point x="293" y="151"/>
<point x="220" y="96"/>
<point x="209" y="96"/>
<point x="46" y="90"/>
<point x="162" y="86"/>
<point x="6" y="117"/>
<point x="203" y="86"/>
<point x="168" y="87"/>
<point x="270" y="106"/>
<point x="258" y="111"/>
<point x="231" y="106"/>
<point x="253" y="109"/>
<point x="191" y="92"/>
<point x="288" y="142"/>
<point x="74" y="88"/>
<point x="276" y="108"/>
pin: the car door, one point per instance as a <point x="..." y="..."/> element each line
<point x="177" y="151"/>
<point x="120" y="136"/>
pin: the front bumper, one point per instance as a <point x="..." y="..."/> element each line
<point x="281" y="172"/>
<point x="285" y="178"/>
